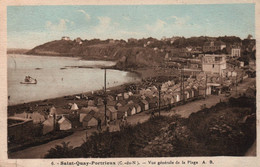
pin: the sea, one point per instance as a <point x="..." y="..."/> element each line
<point x="59" y="76"/>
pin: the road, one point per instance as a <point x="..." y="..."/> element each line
<point x="77" y="138"/>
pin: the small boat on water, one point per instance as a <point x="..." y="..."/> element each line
<point x="29" y="80"/>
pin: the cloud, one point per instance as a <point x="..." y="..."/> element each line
<point x="103" y="25"/>
<point x="180" y="20"/>
<point x="157" y="26"/>
<point x="60" y="26"/>
<point x="87" y="16"/>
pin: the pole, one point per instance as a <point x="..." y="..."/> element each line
<point x="206" y="81"/>
<point x="183" y="98"/>
<point x="105" y="99"/>
<point x="159" y="100"/>
<point x="236" y="84"/>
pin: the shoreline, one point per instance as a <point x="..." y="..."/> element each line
<point x="87" y="93"/>
<point x="61" y="101"/>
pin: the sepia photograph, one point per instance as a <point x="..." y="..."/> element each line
<point x="131" y="81"/>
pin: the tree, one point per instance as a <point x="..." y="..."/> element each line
<point x="60" y="151"/>
<point x="249" y="36"/>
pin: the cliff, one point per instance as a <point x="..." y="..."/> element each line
<point x="126" y="57"/>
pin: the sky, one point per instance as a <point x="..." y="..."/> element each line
<point x="30" y="26"/>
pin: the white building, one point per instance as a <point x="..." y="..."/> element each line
<point x="214" y="64"/>
<point x="65" y="38"/>
<point x="235" y="52"/>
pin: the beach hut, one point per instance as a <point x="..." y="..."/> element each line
<point x="130" y="94"/>
<point x="110" y="98"/>
<point x="122" y="111"/>
<point x="186" y="95"/>
<point x="89" y="121"/>
<point x="111" y="103"/>
<point x="153" y="102"/>
<point x="112" y="113"/>
<point x="177" y="96"/>
<point x="131" y="110"/>
<point x="85" y="110"/>
<point x="138" y="108"/>
<point x="126" y="95"/>
<point x="99" y="101"/>
<point x="52" y="111"/>
<point x="119" y="97"/>
<point x="144" y="105"/>
<point x="201" y="91"/>
<point x="91" y="103"/>
<point x="64" y="123"/>
<point x="74" y="107"/>
<point x="130" y="102"/>
<point x="170" y="98"/>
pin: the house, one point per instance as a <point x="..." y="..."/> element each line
<point x="65" y="38"/>
<point x="235" y="51"/>
<point x="144" y="105"/>
<point x="78" y="40"/>
<point x="132" y="40"/>
<point x="48" y="125"/>
<point x="213" y="46"/>
<point x="138" y="108"/>
<point x="64" y="123"/>
<point x="214" y="64"/>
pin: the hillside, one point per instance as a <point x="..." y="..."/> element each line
<point x="127" y="57"/>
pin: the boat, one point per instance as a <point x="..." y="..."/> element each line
<point x="29" y="80"/>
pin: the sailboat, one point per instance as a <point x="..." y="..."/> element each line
<point x="29" y="80"/>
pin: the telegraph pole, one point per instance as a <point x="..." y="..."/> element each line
<point x="236" y="84"/>
<point x="183" y="98"/>
<point x="105" y="94"/>
<point x="206" y="86"/>
<point x="159" y="99"/>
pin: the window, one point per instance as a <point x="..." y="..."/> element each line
<point x="212" y="65"/>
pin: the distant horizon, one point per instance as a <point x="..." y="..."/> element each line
<point x="131" y="37"/>
<point x="47" y="23"/>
